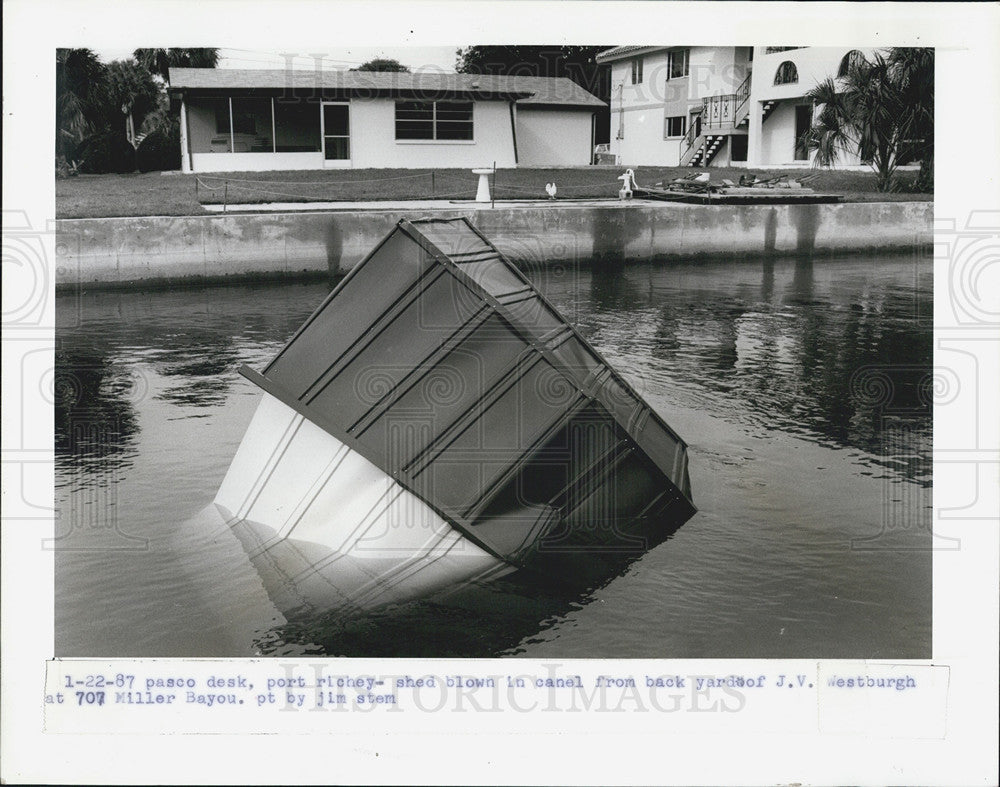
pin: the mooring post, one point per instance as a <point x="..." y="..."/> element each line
<point x="433" y="189"/>
<point x="225" y="197"/>
<point x="493" y="189"/>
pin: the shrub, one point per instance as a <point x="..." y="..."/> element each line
<point x="65" y="168"/>
<point x="105" y="152"/>
<point x="160" y="150"/>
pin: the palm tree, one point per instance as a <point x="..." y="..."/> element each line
<point x="81" y="97"/>
<point x="160" y="132"/>
<point x="159" y="61"/>
<point x="101" y="108"/>
<point x="132" y="96"/>
<point x="879" y="109"/>
<point x="913" y="70"/>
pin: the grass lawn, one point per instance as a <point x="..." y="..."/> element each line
<point x="173" y="194"/>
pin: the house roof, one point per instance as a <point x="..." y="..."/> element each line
<point x="525" y="90"/>
<point x="619" y="52"/>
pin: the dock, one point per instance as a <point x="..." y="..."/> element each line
<point x="737" y="195"/>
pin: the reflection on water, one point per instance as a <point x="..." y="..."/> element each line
<point x="477" y="621"/>
<point x="802" y="387"/>
<point x="832" y="365"/>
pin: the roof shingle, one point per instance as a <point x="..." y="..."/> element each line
<point x="618" y="52"/>
<point x="526" y="89"/>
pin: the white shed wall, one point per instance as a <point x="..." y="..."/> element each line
<point x="553" y="137"/>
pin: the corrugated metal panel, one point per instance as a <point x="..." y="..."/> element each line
<point x="439" y="362"/>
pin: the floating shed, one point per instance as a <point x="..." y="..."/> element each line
<point x="436" y="422"/>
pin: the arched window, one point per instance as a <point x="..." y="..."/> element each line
<point x="787" y="74"/>
<point x="850" y="59"/>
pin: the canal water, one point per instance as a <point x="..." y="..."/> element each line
<point x="802" y="387"/>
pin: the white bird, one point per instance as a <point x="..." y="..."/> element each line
<point x="551" y="189"/>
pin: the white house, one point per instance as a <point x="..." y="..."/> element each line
<point x="779" y="111"/>
<point x="665" y="101"/>
<point x="717" y="106"/>
<point x="254" y="120"/>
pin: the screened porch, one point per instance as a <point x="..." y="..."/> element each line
<point x="266" y="132"/>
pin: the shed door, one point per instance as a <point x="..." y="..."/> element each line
<point x="336" y="129"/>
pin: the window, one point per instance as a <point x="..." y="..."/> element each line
<point x="296" y="126"/>
<point x="787" y="74"/>
<point x="221" y="115"/>
<point x="852" y="58"/>
<point x="440" y="120"/>
<point x="453" y="119"/>
<point x="677" y="63"/>
<point x="337" y="132"/>
<point x="637" y="71"/>
<point x="245" y="114"/>
<point x="248" y="129"/>
<point x="252" y="120"/>
<point x="674" y="126"/>
<point x="414" y="120"/>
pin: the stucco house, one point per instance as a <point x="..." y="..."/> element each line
<point x="255" y="120"/>
<point x="717" y="106"/>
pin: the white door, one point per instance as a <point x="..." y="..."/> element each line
<point x="335" y="127"/>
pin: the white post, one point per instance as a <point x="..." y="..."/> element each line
<point x="232" y="136"/>
<point x="185" y="153"/>
<point x="274" y="135"/>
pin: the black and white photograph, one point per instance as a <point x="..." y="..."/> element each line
<point x="603" y="351"/>
<point x="622" y="354"/>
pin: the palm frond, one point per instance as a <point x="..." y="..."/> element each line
<point x="878" y="107"/>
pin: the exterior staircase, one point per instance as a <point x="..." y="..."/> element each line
<point x="703" y="151"/>
<point x="720" y="116"/>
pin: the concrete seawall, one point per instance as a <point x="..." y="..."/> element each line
<point x="136" y="252"/>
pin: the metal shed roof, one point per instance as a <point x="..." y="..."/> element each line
<point x="440" y="363"/>
<point x="527" y="90"/>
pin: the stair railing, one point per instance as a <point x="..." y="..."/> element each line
<point x="742" y="101"/>
<point x="689" y="139"/>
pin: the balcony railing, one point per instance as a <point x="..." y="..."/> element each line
<point x="724" y="111"/>
<point x="718" y="111"/>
